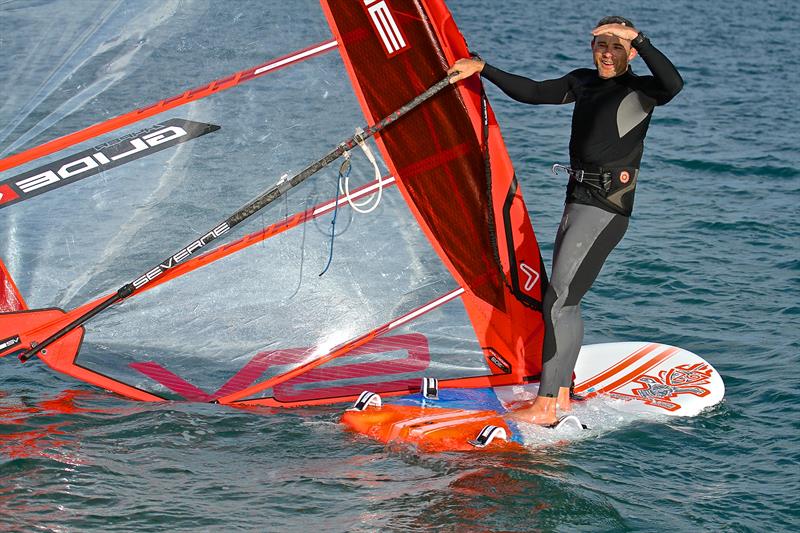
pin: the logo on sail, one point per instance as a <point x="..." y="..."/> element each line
<point x="531" y="275"/>
<point x="100" y="158"/>
<point x="385" y="25"/>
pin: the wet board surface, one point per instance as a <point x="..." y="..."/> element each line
<point x="627" y="380"/>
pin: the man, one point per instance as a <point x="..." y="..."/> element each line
<point x="612" y="112"/>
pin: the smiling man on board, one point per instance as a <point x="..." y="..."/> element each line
<point x="613" y="107"/>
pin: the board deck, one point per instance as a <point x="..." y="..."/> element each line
<point x="648" y="379"/>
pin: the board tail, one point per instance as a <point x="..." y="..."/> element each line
<point x="10" y="297"/>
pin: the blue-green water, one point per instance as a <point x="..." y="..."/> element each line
<point x="710" y="263"/>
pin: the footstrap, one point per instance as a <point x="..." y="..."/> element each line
<point x="366" y="399"/>
<point x="430" y="388"/>
<point x="569" y="422"/>
<point x="487" y="435"/>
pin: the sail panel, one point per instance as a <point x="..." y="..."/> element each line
<point x="270" y="296"/>
<point x="70" y="65"/>
<point x="436" y="343"/>
<point x="103" y="229"/>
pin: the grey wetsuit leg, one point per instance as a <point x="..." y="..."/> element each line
<point x="585" y="237"/>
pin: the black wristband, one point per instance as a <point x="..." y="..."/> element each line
<point x="639" y="40"/>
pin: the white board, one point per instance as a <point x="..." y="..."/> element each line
<point x="646" y="377"/>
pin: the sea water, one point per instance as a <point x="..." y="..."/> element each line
<point x="710" y="263"/>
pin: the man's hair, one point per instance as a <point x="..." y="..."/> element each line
<point x="614" y="20"/>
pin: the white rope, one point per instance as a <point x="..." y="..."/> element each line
<point x="374" y="198"/>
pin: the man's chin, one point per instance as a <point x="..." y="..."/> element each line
<point x="607" y="72"/>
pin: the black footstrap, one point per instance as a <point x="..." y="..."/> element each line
<point x="366" y="399"/>
<point x="567" y="422"/>
<point x="487" y="435"/>
<point x="430" y="388"/>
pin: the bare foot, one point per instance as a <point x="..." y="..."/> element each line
<point x="563" y="401"/>
<point x="543" y="412"/>
<point x="519" y="404"/>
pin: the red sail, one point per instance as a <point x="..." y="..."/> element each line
<point x="452" y="168"/>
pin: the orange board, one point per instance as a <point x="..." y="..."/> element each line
<point x="431" y="429"/>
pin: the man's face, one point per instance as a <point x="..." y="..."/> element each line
<point x="611" y="55"/>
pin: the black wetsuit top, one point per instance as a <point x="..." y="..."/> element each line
<point x="609" y="122"/>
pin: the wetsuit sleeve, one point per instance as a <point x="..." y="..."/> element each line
<point x="526" y="90"/>
<point x="666" y="82"/>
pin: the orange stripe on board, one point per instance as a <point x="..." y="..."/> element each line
<point x="630" y="376"/>
<point x="456" y="415"/>
<point x="421" y="431"/>
<point x="632" y="358"/>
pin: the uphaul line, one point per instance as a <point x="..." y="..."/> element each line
<point x="75" y="319"/>
<point x="293" y="221"/>
<point x="168" y="103"/>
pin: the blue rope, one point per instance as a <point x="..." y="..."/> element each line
<point x="336" y="212"/>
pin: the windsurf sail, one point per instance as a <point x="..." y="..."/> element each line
<point x="64" y="327"/>
<point x="444" y="279"/>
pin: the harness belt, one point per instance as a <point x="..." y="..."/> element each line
<point x="613" y="187"/>
<point x="599" y="180"/>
